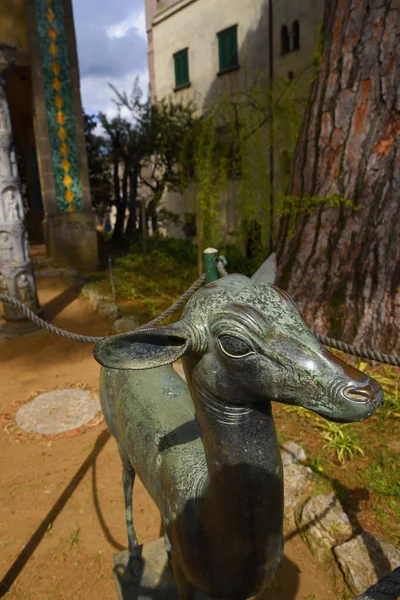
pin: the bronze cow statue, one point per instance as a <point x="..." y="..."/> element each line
<point x="207" y="452"/>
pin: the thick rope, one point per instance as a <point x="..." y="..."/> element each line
<point x="327" y="341"/>
<point x="221" y="264"/>
<point x="90" y="339"/>
<point x="388" y="359"/>
<point x="388" y="588"/>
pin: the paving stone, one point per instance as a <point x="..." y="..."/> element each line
<point x="365" y="559"/>
<point x="125" y="324"/>
<point x="297" y="481"/>
<point x="322" y="523"/>
<point x="292" y="453"/>
<point x="58" y="411"/>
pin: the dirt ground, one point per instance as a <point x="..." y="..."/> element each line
<point x="62" y="515"/>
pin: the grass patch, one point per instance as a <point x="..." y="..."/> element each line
<point x="145" y="286"/>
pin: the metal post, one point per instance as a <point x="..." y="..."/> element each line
<point x="210" y="264"/>
<point x="16" y="267"/>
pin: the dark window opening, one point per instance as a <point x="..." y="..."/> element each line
<point x="228" y="49"/>
<point x="181" y="62"/>
<point x="296" y="35"/>
<point x="189" y="226"/>
<point x="285" y="41"/>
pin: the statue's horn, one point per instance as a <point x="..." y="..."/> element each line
<point x="267" y="272"/>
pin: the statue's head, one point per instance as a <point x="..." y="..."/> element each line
<point x="246" y="343"/>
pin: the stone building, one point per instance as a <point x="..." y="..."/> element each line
<point x="198" y="49"/>
<point x="42" y="92"/>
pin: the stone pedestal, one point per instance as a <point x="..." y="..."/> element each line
<point x="16" y="267"/>
<point x="155" y="580"/>
<point x="71" y="241"/>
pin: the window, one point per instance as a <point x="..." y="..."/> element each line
<point x="285" y="41"/>
<point x="295" y="35"/>
<point x="228" y="49"/>
<point x="181" y="61"/>
<point x="290" y="41"/>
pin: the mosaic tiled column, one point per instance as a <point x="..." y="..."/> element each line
<point x="16" y="267"/>
<point x="69" y="221"/>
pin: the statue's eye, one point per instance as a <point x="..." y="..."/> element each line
<point x="234" y="347"/>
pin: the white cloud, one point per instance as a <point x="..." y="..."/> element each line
<point x="97" y="96"/>
<point x="111" y="40"/>
<point x="135" y="21"/>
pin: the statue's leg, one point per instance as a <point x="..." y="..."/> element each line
<point x="167" y="545"/>
<point x="128" y="478"/>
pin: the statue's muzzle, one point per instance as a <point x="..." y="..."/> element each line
<point x="368" y="393"/>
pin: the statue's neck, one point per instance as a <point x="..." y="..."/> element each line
<point x="234" y="435"/>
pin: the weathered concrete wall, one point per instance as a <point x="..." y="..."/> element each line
<point x="194" y="24"/>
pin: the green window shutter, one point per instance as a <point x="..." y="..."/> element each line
<point x="228" y="49"/>
<point x="181" y="62"/>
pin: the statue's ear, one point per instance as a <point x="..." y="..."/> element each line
<point x="143" y="348"/>
<point x="267" y="272"/>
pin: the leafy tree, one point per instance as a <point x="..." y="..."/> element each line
<point x="164" y="128"/>
<point x="98" y="164"/>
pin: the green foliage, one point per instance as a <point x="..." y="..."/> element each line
<point x="340" y="439"/>
<point x="291" y="206"/>
<point x="229" y="155"/>
<point x="98" y="163"/>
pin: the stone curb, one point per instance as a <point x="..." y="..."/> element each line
<point x="103" y="303"/>
<point x="358" y="560"/>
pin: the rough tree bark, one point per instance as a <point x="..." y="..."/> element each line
<point x="342" y="266"/>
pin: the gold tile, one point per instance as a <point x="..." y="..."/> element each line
<point x="57" y="85"/>
<point x="55" y="67"/>
<point x="53" y="49"/>
<point x="50" y="15"/>
<point x="52" y="33"/>
<point x="60" y="118"/>
<point x="67" y="181"/>
<point x="66" y="165"/>
<point x="64" y="149"/>
<point x="62" y="134"/>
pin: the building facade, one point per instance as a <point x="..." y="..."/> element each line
<point x="42" y="90"/>
<point x="199" y="49"/>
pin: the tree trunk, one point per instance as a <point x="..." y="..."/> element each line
<point x="152" y="213"/>
<point x="133" y="186"/>
<point x="342" y="266"/>
<point x="118" y="233"/>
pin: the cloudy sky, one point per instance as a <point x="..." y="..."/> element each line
<point x="111" y="38"/>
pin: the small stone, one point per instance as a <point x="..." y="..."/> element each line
<point x="125" y="324"/>
<point x="365" y="559"/>
<point x="109" y="309"/>
<point x="291" y="453"/>
<point x="322" y="523"/>
<point x="297" y="480"/>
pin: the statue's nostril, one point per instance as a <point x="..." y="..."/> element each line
<point x="359" y="394"/>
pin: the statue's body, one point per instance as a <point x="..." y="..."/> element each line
<point x="207" y="452"/>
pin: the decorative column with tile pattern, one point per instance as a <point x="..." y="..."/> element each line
<point x="69" y="225"/>
<point x="16" y="267"/>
